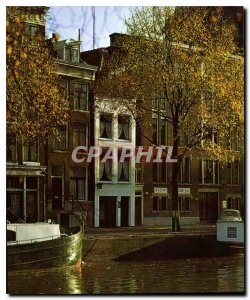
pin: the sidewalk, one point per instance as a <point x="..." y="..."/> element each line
<point x="150" y="230"/>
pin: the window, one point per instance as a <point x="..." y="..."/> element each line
<point x="211" y="136"/>
<point x="159" y="172"/>
<point x="79" y="134"/>
<point x="233" y="202"/>
<point x="208" y="97"/>
<point x="57" y="170"/>
<point x="106" y="170"/>
<point x="155" y="172"/>
<point x="163" y="171"/>
<point x="185" y="170"/>
<point x="15" y="182"/>
<point x="31" y="183"/>
<point x="123" y="127"/>
<point x="163" y="132"/>
<point x="72" y="54"/>
<point x="163" y="102"/>
<point x="30" y="151"/>
<point x="31" y="207"/>
<point x="160" y="204"/>
<point x="77" y="183"/>
<point x="123" y="171"/>
<point x="209" y="172"/>
<point x="233" y="141"/>
<point x="80" y="96"/>
<point x="15" y="203"/>
<point x="61" y="143"/>
<point x="106" y="126"/>
<point x="64" y="87"/>
<point x="154" y="131"/>
<point x="233" y="172"/>
<point x="139" y="173"/>
<point x="184" y="203"/>
<point x="32" y="32"/>
<point x="11" y="155"/>
<point x="184" y="138"/>
<point x="154" y="104"/>
<point x="57" y="182"/>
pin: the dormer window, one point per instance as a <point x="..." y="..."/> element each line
<point x="72" y="54"/>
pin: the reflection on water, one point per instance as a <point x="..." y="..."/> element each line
<point x="174" y="276"/>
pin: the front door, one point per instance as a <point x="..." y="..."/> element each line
<point x="31" y="207"/>
<point x="107" y="211"/>
<point x="138" y="212"/>
<point x="56" y="193"/>
<point x="124" y="211"/>
<point x="208" y="206"/>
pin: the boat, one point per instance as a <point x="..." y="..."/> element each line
<point x="230" y="229"/>
<point x="42" y="245"/>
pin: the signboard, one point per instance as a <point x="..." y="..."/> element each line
<point x="183" y="191"/>
<point x="160" y="190"/>
<point x="232" y="232"/>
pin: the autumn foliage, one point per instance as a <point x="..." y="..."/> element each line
<point x="36" y="106"/>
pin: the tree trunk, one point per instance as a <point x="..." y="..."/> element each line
<point x="175" y="169"/>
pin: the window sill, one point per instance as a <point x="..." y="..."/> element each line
<point x="79" y="200"/>
<point x="160" y="211"/>
<point x="105" y="139"/>
<point x="9" y="163"/>
<point x="81" y="110"/>
<point x="120" y="140"/>
<point x="31" y="163"/>
<point x="123" y="182"/>
<point x="208" y="184"/>
<point x="104" y="182"/>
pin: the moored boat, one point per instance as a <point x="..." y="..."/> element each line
<point x="42" y="245"/>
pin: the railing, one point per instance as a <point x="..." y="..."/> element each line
<point x="30" y="241"/>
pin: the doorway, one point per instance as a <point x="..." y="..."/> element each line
<point x="208" y="207"/>
<point x="124" y="211"/>
<point x="107" y="212"/>
<point x="138" y="210"/>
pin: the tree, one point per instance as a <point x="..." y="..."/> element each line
<point x="36" y="105"/>
<point x="186" y="57"/>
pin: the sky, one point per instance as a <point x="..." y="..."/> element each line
<point x="66" y="20"/>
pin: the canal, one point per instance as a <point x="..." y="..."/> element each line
<point x="219" y="275"/>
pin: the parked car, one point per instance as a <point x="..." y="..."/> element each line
<point x="232" y="215"/>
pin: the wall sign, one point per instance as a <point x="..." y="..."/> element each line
<point x="160" y="190"/>
<point x="183" y="191"/>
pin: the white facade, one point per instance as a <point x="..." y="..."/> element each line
<point x="114" y="188"/>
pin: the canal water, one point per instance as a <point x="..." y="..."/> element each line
<point x="219" y="275"/>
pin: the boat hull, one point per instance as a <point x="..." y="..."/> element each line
<point x="60" y="252"/>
